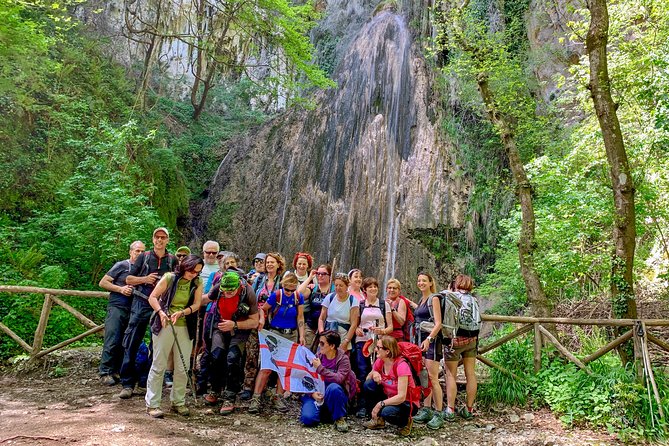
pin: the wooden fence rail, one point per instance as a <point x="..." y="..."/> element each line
<point x="50" y="298"/>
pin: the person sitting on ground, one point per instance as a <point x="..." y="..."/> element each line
<point x="175" y="300"/>
<point x="234" y="313"/>
<point x="334" y="366"/>
<point x="118" y="315"/>
<point x="340" y="312"/>
<point x="285" y="311"/>
<point x="464" y="346"/>
<point x="388" y="387"/>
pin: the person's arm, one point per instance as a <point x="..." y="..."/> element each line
<point x="321" y="320"/>
<point x="303" y="288"/>
<point x="300" y="323"/>
<point x="354" y="315"/>
<point x="400" y="314"/>
<point x="338" y="376"/>
<point x="193" y="307"/>
<point x="153" y="300"/>
<point x="436" y="311"/>
<point x="253" y="319"/>
<point x="107" y="283"/>
<point x="402" y="386"/>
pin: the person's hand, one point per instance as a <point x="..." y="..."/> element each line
<point x="151" y="278"/>
<point x="175" y="316"/>
<point x="344" y="343"/>
<point x="261" y="324"/>
<point x="425" y="345"/>
<point x="379" y="330"/>
<point x="376" y="377"/>
<point x="376" y="410"/>
<point x="126" y="290"/>
<point x="318" y="396"/>
<point x="302" y="342"/>
<point x="164" y="318"/>
<point x="226" y="325"/>
<point x="316" y="362"/>
<point x="359" y="332"/>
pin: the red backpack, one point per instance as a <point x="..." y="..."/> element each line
<point x="413" y="356"/>
<point x="409" y="321"/>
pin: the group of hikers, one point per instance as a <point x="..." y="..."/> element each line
<point x="205" y="314"/>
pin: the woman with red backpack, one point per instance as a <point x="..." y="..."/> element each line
<point x="390" y="388"/>
<point x="400" y="309"/>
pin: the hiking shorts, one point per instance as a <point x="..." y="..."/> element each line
<point x="461" y="347"/>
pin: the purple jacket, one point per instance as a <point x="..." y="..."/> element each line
<point x="342" y="375"/>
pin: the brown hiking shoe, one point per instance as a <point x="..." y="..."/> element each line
<point x="254" y="406"/>
<point x="374" y="424"/>
<point x="155" y="412"/>
<point x="406" y="430"/>
<point x="181" y="410"/>
<point x="125" y="393"/>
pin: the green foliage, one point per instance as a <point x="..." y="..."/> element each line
<point x="611" y="398"/>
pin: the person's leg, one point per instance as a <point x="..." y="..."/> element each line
<point x="470" y="364"/>
<point x="217" y="367"/>
<point x="132" y="338"/>
<point x="451" y="385"/>
<point x="336" y="401"/>
<point x="178" y="393"/>
<point x="436" y="395"/>
<point x="112" y="348"/>
<point x="162" y="345"/>
<point x="252" y="358"/>
<point x="397" y="415"/>
<point x="234" y="366"/>
<point x="373" y="393"/>
<point x="310" y="413"/>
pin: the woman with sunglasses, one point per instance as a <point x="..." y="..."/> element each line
<point x="388" y="387"/>
<point x="340" y="312"/>
<point x="429" y="340"/>
<point x="175" y="300"/>
<point x="314" y="294"/>
<point x="285" y="311"/>
<point x="334" y="366"/>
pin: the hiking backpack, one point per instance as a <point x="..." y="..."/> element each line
<point x="413" y="356"/>
<point x="450" y="305"/>
<point x="469" y="320"/>
<point x="279" y="299"/>
<point x="409" y="320"/>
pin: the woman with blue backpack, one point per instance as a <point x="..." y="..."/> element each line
<point x="465" y="346"/>
<point x="428" y="337"/>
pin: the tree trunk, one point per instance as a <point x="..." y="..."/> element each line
<point x="539" y="306"/>
<point x="624" y="228"/>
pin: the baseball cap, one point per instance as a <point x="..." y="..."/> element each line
<point x="161" y="229"/>
<point x="260" y="255"/>
<point x="230" y="281"/>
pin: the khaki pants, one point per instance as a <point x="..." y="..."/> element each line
<point x="165" y="343"/>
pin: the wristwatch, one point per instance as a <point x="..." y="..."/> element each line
<point x="235" y="325"/>
<point x="383" y="404"/>
<point x="430" y="339"/>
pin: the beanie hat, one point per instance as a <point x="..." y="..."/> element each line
<point x="230" y="281"/>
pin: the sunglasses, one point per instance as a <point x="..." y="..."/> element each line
<point x="181" y="256"/>
<point x="322" y="274"/>
<point x="211" y="253"/>
<point x="289" y="290"/>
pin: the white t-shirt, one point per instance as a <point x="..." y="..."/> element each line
<point x="371" y="317"/>
<point x="339" y="311"/>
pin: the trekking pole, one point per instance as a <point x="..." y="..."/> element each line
<point x="196" y="351"/>
<point x="190" y="382"/>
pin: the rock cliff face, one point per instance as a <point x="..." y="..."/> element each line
<point x="348" y="179"/>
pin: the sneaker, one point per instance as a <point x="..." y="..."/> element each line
<point x="181" y="410"/>
<point x="227" y="408"/>
<point x="245" y="395"/>
<point x="373" y="424"/>
<point x="448" y="415"/>
<point x="423" y="415"/>
<point x="126" y="393"/>
<point x="254" y="406"/>
<point x="281" y="404"/>
<point x="341" y="425"/>
<point x="465" y="413"/>
<point x="362" y="413"/>
<point x="436" y="422"/>
<point x="211" y="399"/>
<point x="155" y="412"/>
<point x="107" y="380"/>
<point x="406" y="430"/>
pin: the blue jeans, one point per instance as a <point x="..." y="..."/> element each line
<point x="112" y="351"/>
<point x="139" y="320"/>
<point x="332" y="409"/>
<point x="397" y="415"/>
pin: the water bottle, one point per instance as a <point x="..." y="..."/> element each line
<point x="424" y="378"/>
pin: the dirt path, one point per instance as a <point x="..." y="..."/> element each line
<point x="39" y="409"/>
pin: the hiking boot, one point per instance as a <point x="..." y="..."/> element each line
<point x="227" y="408"/>
<point x="254" y="406"/>
<point x="126" y="393"/>
<point x="362" y="413"/>
<point x="107" y="380"/>
<point x="229" y="395"/>
<point x="181" y="410"/>
<point x="245" y="395"/>
<point x="423" y="415"/>
<point x="406" y="430"/>
<point x="281" y="404"/>
<point x="465" y="413"/>
<point x="373" y="424"/>
<point x="448" y="415"/>
<point x="155" y="412"/>
<point x="341" y="425"/>
<point x="211" y="399"/>
<point x="141" y="390"/>
<point x="436" y="422"/>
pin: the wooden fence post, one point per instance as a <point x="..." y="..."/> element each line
<point x="537" y="347"/>
<point x="41" y="326"/>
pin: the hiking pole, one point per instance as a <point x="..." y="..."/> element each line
<point x="195" y="352"/>
<point x="181" y="355"/>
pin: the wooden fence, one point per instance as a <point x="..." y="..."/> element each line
<point x="51" y="296"/>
